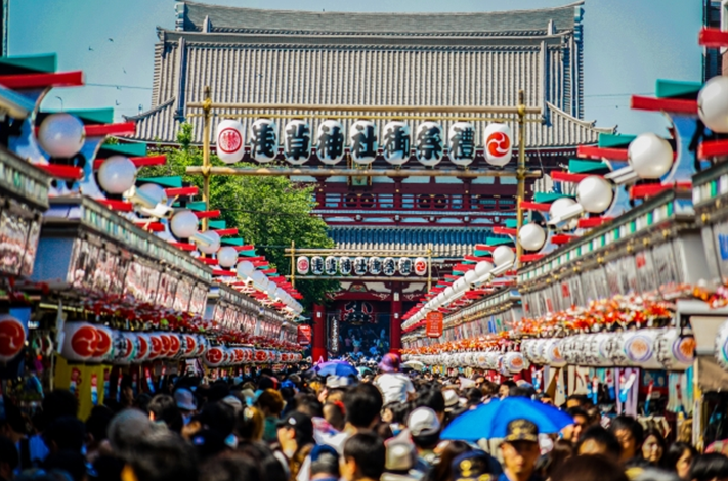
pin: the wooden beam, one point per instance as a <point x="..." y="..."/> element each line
<point x="320" y="172"/>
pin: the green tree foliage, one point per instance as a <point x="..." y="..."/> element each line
<point x="269" y="212"/>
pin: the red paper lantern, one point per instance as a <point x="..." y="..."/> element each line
<point x="12" y="337"/>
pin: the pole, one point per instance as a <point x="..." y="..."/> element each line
<point x="429" y="267"/>
<point x="207" y="109"/>
<point x="395" y="312"/>
<point x="293" y="264"/>
<point x="520" y="173"/>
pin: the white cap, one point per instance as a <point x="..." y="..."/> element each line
<point x="423" y="422"/>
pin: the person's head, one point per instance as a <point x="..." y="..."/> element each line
<point x="575" y="400"/>
<point x="71" y="462"/>
<point x="471" y="465"/>
<point x="401" y="457"/>
<point x="363" y="404"/>
<point x="629" y="433"/>
<point x="678" y="458"/>
<point x="97" y="424"/>
<point x="8" y="457"/>
<point x="520" y="448"/>
<point x="161" y="456"/>
<point x="309" y="405"/>
<point x="447" y="451"/>
<point x="433" y="399"/>
<point x="424" y="427"/>
<point x="126" y="429"/>
<point x="505" y="389"/>
<point x="592" y="467"/>
<point x="597" y="440"/>
<point x="334" y="415"/>
<point x="709" y="467"/>
<point x="56" y="404"/>
<point x="65" y="434"/>
<point x="218" y="416"/>
<point x="389" y="363"/>
<point x="185" y="402"/>
<point x="653" y="446"/>
<point x="229" y="467"/>
<point x="364" y="457"/>
<point x="250" y="423"/>
<point x="324" y="463"/>
<point x="555" y="458"/>
<point x="294" y="432"/>
<point x="270" y="402"/>
<point x="13" y="425"/>
<point x="581" y="422"/>
<point x="163" y="409"/>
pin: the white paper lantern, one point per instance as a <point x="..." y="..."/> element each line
<point x="12" y="337"/>
<point x="428" y="142"/>
<point x="404" y="266"/>
<point x="397" y="143"/>
<point x="650" y="156"/>
<point x="331" y="264"/>
<point x="420" y="266"/>
<point x="230" y="141"/>
<point x="552" y="353"/>
<point x="498" y="144"/>
<point x="461" y="139"/>
<point x="302" y="265"/>
<point x="363" y="142"/>
<point x="297" y="142"/>
<point x="61" y="135"/>
<point x="640" y="348"/>
<point x="673" y="351"/>
<point x="330" y="142"/>
<point x="117" y="174"/>
<point x="483" y="267"/>
<point x="595" y="194"/>
<point x="713" y="104"/>
<point x="470" y="277"/>
<point x="263" y="140"/>
<point x="227" y="256"/>
<point x="214" y="356"/>
<point x="214" y="244"/>
<point x="317" y="265"/>
<point x="245" y="269"/>
<point x="184" y="224"/>
<point x="104" y="343"/>
<point x="557" y="209"/>
<point x="154" y="192"/>
<point x="360" y="266"/>
<point x="124" y="348"/>
<point x="503" y="255"/>
<point x="514" y="362"/>
<point x="532" y="237"/>
<point x="79" y="341"/>
<point x="344" y="265"/>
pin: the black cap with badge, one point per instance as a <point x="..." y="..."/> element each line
<point x="521" y="430"/>
<point x="298" y="421"/>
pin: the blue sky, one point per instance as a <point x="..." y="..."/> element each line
<point x="628" y="44"/>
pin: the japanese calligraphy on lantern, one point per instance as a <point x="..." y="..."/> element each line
<point x="360" y="266"/>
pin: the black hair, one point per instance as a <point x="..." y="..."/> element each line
<point x="473" y="395"/>
<point x="674" y="453"/>
<point x="66" y="433"/>
<point x="431" y="398"/>
<point x="266" y="382"/>
<point x="270" y="468"/>
<point x="8" y="453"/>
<point x="165" y="409"/>
<point x="401" y="411"/>
<point x="509" y="383"/>
<point x="97" y="424"/>
<point x="107" y="468"/>
<point x="577" y="397"/>
<point x="658" y="436"/>
<point x="309" y="405"/>
<point x="363" y="404"/>
<point x="591" y="467"/>
<point x="709" y="466"/>
<point x="518" y="391"/>
<point x="163" y="456"/>
<point x="601" y="436"/>
<point x="72" y="462"/>
<point x="630" y="424"/>
<point x="368" y="452"/>
<point x="335" y="416"/>
<point x="230" y="467"/>
<point x="57" y="404"/>
<point x="326" y="463"/>
<point x="577" y="411"/>
<point x="218" y="416"/>
<point x="142" y="401"/>
<point x="427" y="441"/>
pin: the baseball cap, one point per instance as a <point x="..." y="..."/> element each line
<point x="472" y="466"/>
<point x="400" y="456"/>
<point x="185" y="399"/>
<point x="451" y="398"/>
<point x="423" y="422"/>
<point x="521" y="430"/>
<point x="298" y="421"/>
<point x="389" y="363"/>
<point x="321" y="449"/>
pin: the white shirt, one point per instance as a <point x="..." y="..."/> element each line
<point x="394" y="387"/>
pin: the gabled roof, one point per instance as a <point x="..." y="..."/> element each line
<point x="192" y="17"/>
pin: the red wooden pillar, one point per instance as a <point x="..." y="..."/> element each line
<point x="395" y="319"/>
<point x="318" y="341"/>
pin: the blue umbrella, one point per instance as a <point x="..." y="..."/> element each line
<point x="335" y="368"/>
<point x="491" y="420"/>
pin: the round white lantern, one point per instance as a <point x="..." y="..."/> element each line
<point x="713" y="104"/>
<point x="428" y="142"/>
<point x="639" y="347"/>
<point x="461" y="139"/>
<point x="263" y="140"/>
<point x="397" y="143"/>
<point x="302" y="265"/>
<point x="154" y="192"/>
<point x="650" y="156"/>
<point x="214" y="356"/>
<point x="674" y="351"/>
<point x="12" y="337"/>
<point x="503" y="255"/>
<point x="498" y="144"/>
<point x="482" y="268"/>
<point x="117" y="174"/>
<point x="470" y="276"/>
<point x="214" y="244"/>
<point x="552" y="353"/>
<point x="230" y="141"/>
<point x="532" y="237"/>
<point x="514" y="362"/>
<point x="227" y="256"/>
<point x="61" y="135"/>
<point x="420" y="266"/>
<point x="79" y="341"/>
<point x="184" y="224"/>
<point x="558" y="207"/>
<point x="330" y="142"/>
<point x="594" y="194"/>
<point x="245" y="269"/>
<point x="363" y="142"/>
<point x="345" y="265"/>
<point x="297" y="142"/>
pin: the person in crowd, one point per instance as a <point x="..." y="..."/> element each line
<point x="8" y="458"/>
<point x="520" y="451"/>
<point x="434" y="399"/>
<point x="126" y="428"/>
<point x="709" y="467"/>
<point x="575" y="400"/>
<point x="560" y="452"/>
<point x="395" y="387"/>
<point x="249" y="424"/>
<point x="270" y="402"/>
<point x="230" y="467"/>
<point x="363" y="458"/>
<point x="597" y="440"/>
<point x="678" y="458"/>
<point x="630" y="434"/>
<point x="400" y="462"/>
<point x="425" y="431"/>
<point x="163" y="409"/>
<point x="68" y="461"/>
<point x="473" y="465"/>
<point x="505" y="389"/>
<point x="295" y="436"/>
<point x="446" y="452"/>
<point x="324" y="463"/>
<point x="590" y="467"/>
<point x="581" y="422"/>
<point x="334" y="415"/>
<point x="65" y="434"/>
<point x="653" y="447"/>
<point x="97" y="426"/>
<point x="161" y="456"/>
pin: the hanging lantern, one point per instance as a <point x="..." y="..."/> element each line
<point x="317" y="265"/>
<point x="461" y="137"/>
<point x="420" y="266"/>
<point x="389" y="266"/>
<point x="117" y="174"/>
<point x="363" y="142"/>
<point x="230" y="143"/>
<point x="344" y="265"/>
<point x="375" y="265"/>
<point x="245" y="269"/>
<point x="331" y="265"/>
<point x="558" y="207"/>
<point x="263" y="140"/>
<point x="396" y="143"/>
<point x="155" y="346"/>
<point x="61" y="135"/>
<point x="12" y="337"/>
<point x="552" y="353"/>
<point x="498" y="144"/>
<point x="80" y="341"/>
<point x="184" y="224"/>
<point x="212" y="245"/>
<point x="330" y="142"/>
<point x="503" y="255"/>
<point x="297" y="142"/>
<point x="302" y="265"/>
<point x="428" y="144"/>
<point x="404" y="266"/>
<point x="214" y="356"/>
<point x="595" y="194"/>
<point x="483" y="267"/>
<point x="650" y="156"/>
<point x="166" y="345"/>
<point x="713" y="104"/>
<point x="203" y="344"/>
<point x="360" y="266"/>
<point x="104" y="344"/>
<point x="532" y="237"/>
<point x="124" y="347"/>
<point x="673" y="351"/>
<point x="227" y="256"/>
<point x="191" y="345"/>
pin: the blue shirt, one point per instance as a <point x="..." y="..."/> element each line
<point x="504" y="477"/>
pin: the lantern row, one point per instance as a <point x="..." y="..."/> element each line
<point x="332" y="265"/>
<point x="364" y="142"/>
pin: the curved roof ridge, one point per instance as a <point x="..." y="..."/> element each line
<point x="151" y="112"/>
<point x="586" y="123"/>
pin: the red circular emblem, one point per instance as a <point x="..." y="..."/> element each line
<point x="229" y="140"/>
<point x="143" y="346"/>
<point x="166" y="344"/>
<point x="191" y="345"/>
<point x="156" y="347"/>
<point x="174" y="346"/>
<point x="498" y="144"/>
<point x="214" y="355"/>
<point x="84" y="341"/>
<point x="104" y="342"/>
<point x="12" y="337"/>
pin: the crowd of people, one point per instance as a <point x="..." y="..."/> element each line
<point x="301" y="427"/>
